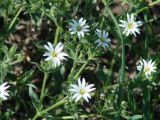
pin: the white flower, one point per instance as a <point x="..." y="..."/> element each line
<point x="82" y="90"/>
<point x="103" y="38"/>
<point x="130" y="26"/>
<point x="55" y="54"/>
<point x="148" y="67"/>
<point x="3" y="91"/>
<point x="79" y="27"/>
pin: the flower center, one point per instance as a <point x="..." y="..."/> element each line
<point x="102" y="39"/>
<point x="147" y="69"/>
<point x="82" y="91"/>
<point x="79" y="28"/>
<point x="130" y="25"/>
<point x="54" y="54"/>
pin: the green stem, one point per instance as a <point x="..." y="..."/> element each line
<point x="80" y="70"/>
<point x="147" y="7"/>
<point x="122" y="75"/>
<point x="122" y="69"/>
<point x="43" y="87"/>
<point x="72" y="71"/>
<point x="15" y="18"/>
<point x="81" y="116"/>
<point x="70" y="76"/>
<point x="110" y="73"/>
<point x="122" y="72"/>
<point x="146" y="103"/>
<point x="1" y="80"/>
<point x="57" y="35"/>
<point x="154" y="3"/>
<point x="111" y="87"/>
<point x="61" y="102"/>
<point x="6" y="17"/>
<point x="149" y="33"/>
<point x="48" y="15"/>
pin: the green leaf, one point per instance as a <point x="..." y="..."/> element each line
<point x="136" y="117"/>
<point x="24" y="79"/>
<point x="34" y="97"/>
<point x="46" y="66"/>
<point x="83" y="40"/>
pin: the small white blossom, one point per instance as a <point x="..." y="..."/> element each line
<point x="130" y="26"/>
<point x="79" y="27"/>
<point x="148" y="67"/>
<point x="81" y="90"/>
<point x="56" y="55"/>
<point x="103" y="39"/>
<point x="3" y="91"/>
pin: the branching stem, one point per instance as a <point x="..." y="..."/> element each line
<point x="80" y="70"/>
<point x="61" y="102"/>
<point x="147" y="7"/>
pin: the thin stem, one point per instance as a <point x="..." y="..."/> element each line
<point x="72" y="71"/>
<point x="61" y="102"/>
<point x="15" y="18"/>
<point x="16" y="61"/>
<point x="57" y="35"/>
<point x="154" y="3"/>
<point x="48" y="15"/>
<point x="6" y="17"/>
<point x="55" y="105"/>
<point x="1" y="80"/>
<point x="81" y="116"/>
<point x="147" y="7"/>
<point x="80" y="70"/>
<point x="36" y="116"/>
<point x="43" y="87"/>
<point x="152" y="20"/>
<point x="110" y="73"/>
<point x="111" y="87"/>
<point x="74" y="64"/>
<point x="122" y="71"/>
<point x="146" y="103"/>
<point x="122" y="75"/>
<point x="149" y="33"/>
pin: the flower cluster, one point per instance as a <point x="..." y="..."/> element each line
<point x="132" y="27"/>
<point x="79" y="28"/>
<point x="56" y="54"/>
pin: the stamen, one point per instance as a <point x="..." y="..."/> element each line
<point x="54" y="54"/>
<point x="146" y="69"/>
<point x="79" y="28"/>
<point x="130" y="25"/>
<point x="82" y="91"/>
